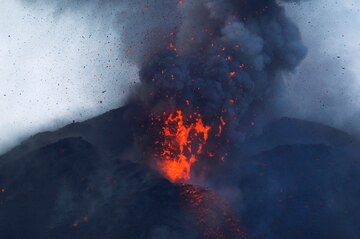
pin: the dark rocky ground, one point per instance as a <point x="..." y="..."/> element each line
<point x="297" y="179"/>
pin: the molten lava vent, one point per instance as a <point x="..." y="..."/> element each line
<point x="183" y="141"/>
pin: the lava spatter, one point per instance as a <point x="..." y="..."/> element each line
<point x="214" y="216"/>
<point x="183" y="142"/>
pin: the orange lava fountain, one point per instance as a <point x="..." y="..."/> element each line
<point x="184" y="140"/>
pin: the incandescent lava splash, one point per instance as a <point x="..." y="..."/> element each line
<point x="183" y="141"/>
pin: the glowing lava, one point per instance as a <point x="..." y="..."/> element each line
<point x="184" y="140"/>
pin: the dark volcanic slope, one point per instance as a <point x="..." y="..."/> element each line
<point x="301" y="191"/>
<point x="108" y="132"/>
<point x="288" y="131"/>
<point x="66" y="190"/>
<point x="299" y="180"/>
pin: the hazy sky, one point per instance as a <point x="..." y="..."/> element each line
<point x="55" y="68"/>
<point x="326" y="86"/>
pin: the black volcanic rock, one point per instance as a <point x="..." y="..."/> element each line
<point x="288" y="131"/>
<point x="67" y="190"/>
<point x="301" y="191"/>
<point x="292" y="131"/>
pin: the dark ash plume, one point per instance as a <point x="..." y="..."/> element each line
<point x="221" y="61"/>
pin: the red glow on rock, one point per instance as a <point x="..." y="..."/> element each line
<point x="232" y="74"/>
<point x="232" y="101"/>
<point x="221" y="127"/>
<point x="172" y="47"/>
<point x="74" y="226"/>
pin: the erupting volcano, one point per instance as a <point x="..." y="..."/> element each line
<point x="203" y="80"/>
<point x="195" y="151"/>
